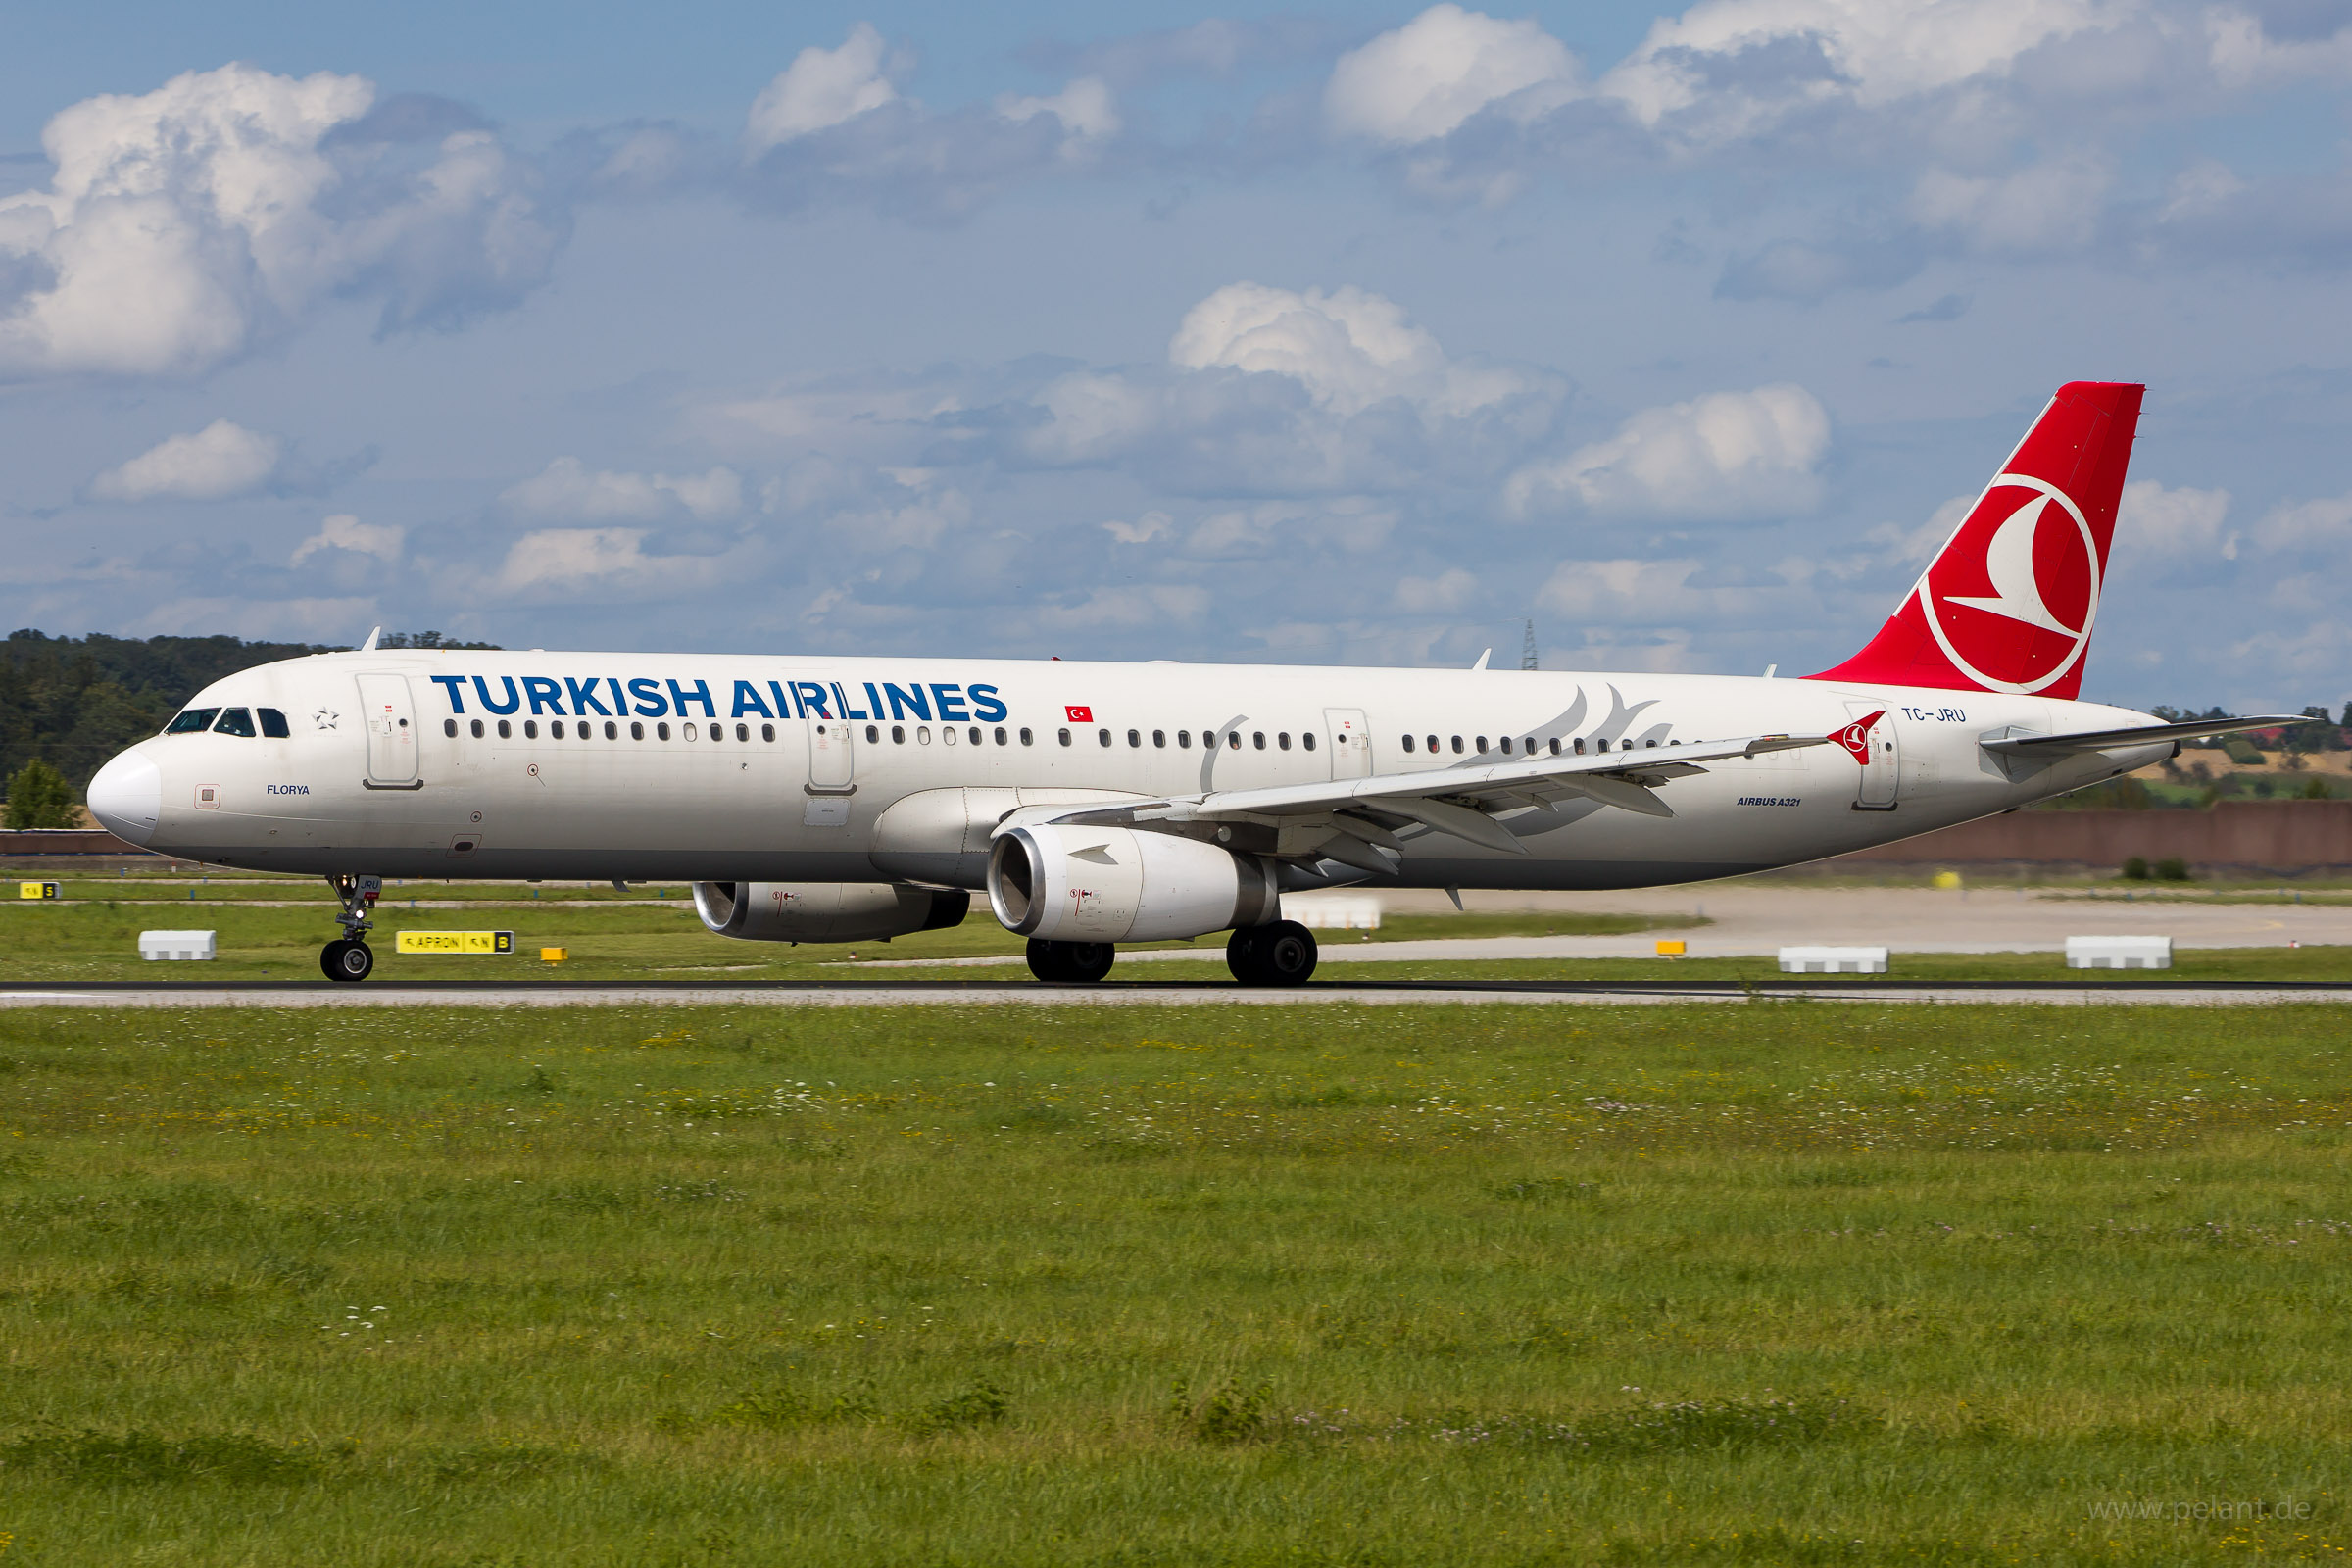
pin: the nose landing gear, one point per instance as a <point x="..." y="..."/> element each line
<point x="350" y="958"/>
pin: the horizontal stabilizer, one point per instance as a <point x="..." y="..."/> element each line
<point x="2108" y="740"/>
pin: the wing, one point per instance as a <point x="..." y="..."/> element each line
<point x="1355" y="821"/>
<point x="2103" y="740"/>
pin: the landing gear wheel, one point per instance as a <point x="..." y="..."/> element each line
<point x="1281" y="953"/>
<point x="347" y="961"/>
<point x="1070" y="963"/>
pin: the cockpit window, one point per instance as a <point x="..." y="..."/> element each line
<point x="235" y="721"/>
<point x="273" y="724"/>
<point x="192" y="721"/>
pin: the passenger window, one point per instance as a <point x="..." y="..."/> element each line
<point x="767" y="733"/>
<point x="273" y="724"/>
<point x="556" y="729"/>
<point x="1283" y="740"/>
<point x="1257" y="738"/>
<point x="1458" y="746"/>
<point x="1409" y="742"/>
<point x="873" y="733"/>
<point x="999" y="736"/>
<point x="743" y="732"/>
<point x="194" y="721"/>
<point x="661" y="731"/>
<point x="1433" y="744"/>
<point x="1654" y="745"/>
<point x="1026" y="737"/>
<point x="975" y="734"/>
<point x="235" y="721"/>
<point x="897" y="734"/>
<point x="1065" y="737"/>
<point x="1135" y="737"/>
<point x="1307" y="740"/>
<point x="1104" y="735"/>
<point x="1506" y="746"/>
<point x="1159" y="739"/>
<point x="476" y="728"/>
<point x="613" y="730"/>
<point x="1603" y="743"/>
<point x="1482" y="745"/>
<point x="1233" y="740"/>
<point x="923" y="733"/>
<point x="636" y="730"/>
<point x="686" y="732"/>
<point x="1580" y="746"/>
<point x="1555" y="746"/>
<point x="1184" y="739"/>
<point x="531" y="729"/>
<point x="506" y="731"/>
<point x="947" y="733"/>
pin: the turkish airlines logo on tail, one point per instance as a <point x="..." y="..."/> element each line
<point x="2012" y="598"/>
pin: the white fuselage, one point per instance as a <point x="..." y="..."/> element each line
<point x="439" y="764"/>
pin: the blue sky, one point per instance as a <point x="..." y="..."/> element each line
<point x="1235" y="334"/>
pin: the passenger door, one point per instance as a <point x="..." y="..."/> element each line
<point x="1350" y="742"/>
<point x="391" y="722"/>
<point x="1876" y="791"/>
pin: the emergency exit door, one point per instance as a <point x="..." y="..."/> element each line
<point x="1350" y="742"/>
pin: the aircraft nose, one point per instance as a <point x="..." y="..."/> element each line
<point x="127" y="797"/>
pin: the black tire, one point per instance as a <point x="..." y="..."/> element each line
<point x="347" y="961"/>
<point x="1241" y="956"/>
<point x="1070" y="963"/>
<point x="1281" y="953"/>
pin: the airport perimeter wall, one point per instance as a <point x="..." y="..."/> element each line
<point x="2230" y="838"/>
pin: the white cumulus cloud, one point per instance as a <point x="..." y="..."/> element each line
<point x="2174" y="522"/>
<point x="567" y="555"/>
<point x="821" y="88"/>
<point x="1085" y="109"/>
<point x="220" y="461"/>
<point x="567" y="488"/>
<point x="343" y="531"/>
<point x="1348" y="348"/>
<point x="1728" y="455"/>
<point x="182" y="225"/>
<point x="2050" y="206"/>
<point x="2322" y="524"/>
<point x="1422" y="81"/>
<point x="1734" y="65"/>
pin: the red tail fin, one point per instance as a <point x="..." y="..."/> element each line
<point x="2007" y="605"/>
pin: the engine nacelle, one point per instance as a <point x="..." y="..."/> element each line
<point x="1115" y="884"/>
<point x="827" y="912"/>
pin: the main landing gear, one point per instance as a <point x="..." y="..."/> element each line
<point x="1279" y="954"/>
<point x="1070" y="963"/>
<point x="350" y="958"/>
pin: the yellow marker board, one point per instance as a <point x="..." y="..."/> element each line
<point x="455" y="942"/>
<point x="553" y="954"/>
<point x="36" y="890"/>
<point x="1673" y="949"/>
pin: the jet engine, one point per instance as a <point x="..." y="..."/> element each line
<point x="827" y="912"/>
<point x="1111" y="884"/>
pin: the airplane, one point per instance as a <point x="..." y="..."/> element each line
<point x="827" y="797"/>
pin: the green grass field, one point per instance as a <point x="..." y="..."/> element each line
<point x="1769" y="1282"/>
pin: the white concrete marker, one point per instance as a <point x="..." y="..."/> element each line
<point x="1833" y="961"/>
<point x="2119" y="953"/>
<point x="155" y="945"/>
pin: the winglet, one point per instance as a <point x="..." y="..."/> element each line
<point x="368" y="646"/>
<point x="1855" y="737"/>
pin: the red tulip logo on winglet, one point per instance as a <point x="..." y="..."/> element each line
<point x="1855" y="737"/>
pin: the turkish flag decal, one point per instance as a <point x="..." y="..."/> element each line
<point x="1080" y="715"/>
